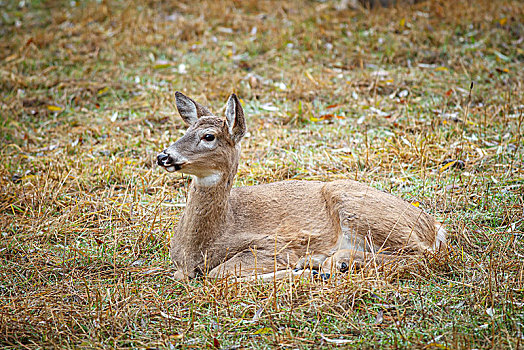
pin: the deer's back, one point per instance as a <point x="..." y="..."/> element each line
<point x="319" y="212"/>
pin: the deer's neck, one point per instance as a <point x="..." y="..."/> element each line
<point x="207" y="209"/>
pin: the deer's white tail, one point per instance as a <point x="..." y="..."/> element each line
<point x="440" y="239"/>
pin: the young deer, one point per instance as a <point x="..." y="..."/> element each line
<point x="267" y="230"/>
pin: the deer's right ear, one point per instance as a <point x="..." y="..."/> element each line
<point x="189" y="110"/>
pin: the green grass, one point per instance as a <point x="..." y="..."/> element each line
<point x="85" y="215"/>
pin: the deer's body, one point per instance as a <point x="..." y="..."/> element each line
<point x="274" y="227"/>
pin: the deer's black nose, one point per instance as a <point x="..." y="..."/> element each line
<point x="164" y="159"/>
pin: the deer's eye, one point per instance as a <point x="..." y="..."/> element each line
<point x="208" y="137"/>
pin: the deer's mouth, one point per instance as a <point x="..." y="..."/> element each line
<point x="172" y="167"/>
<point x="169" y="162"/>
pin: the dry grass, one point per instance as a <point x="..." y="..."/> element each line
<point x="87" y="100"/>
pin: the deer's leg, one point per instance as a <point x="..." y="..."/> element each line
<point x="310" y="261"/>
<point x="348" y="259"/>
<point x="179" y="275"/>
<point x="247" y="265"/>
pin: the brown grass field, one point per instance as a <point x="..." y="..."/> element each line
<point x="424" y="101"/>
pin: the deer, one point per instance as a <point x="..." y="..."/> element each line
<point x="281" y="228"/>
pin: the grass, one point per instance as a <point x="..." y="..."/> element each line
<point x="382" y="96"/>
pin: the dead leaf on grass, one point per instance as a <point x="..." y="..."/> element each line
<point x="264" y="330"/>
<point x="54" y="108"/>
<point x="380" y="317"/>
<point x="335" y="341"/>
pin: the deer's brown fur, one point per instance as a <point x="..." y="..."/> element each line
<point x="261" y="229"/>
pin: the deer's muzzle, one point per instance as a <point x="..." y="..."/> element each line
<point x="166" y="161"/>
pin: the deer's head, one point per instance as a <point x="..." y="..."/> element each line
<point x="210" y="147"/>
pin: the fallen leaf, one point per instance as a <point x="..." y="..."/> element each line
<point x="225" y="30"/>
<point x="264" y="330"/>
<point x="269" y="107"/>
<point x="182" y="69"/>
<point x="436" y="345"/>
<point x="281" y="86"/>
<point x="54" y="108"/>
<point x="162" y="65"/>
<point x="165" y="315"/>
<point x="335" y="341"/>
<point x="10" y="57"/>
<point x="257" y="314"/>
<point x="380" y="317"/>
<point x="490" y="311"/>
<point x="448" y="165"/>
<point x="310" y="77"/>
<point x="459" y="305"/>
<point x="455" y="163"/>
<point x="501" y="56"/>
<point x="102" y="91"/>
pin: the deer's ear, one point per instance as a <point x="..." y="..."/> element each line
<point x="189" y="110"/>
<point x="235" y="118"/>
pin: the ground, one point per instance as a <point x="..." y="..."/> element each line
<point x="424" y="101"/>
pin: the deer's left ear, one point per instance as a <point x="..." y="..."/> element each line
<point x="235" y="118"/>
<point x="189" y="109"/>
